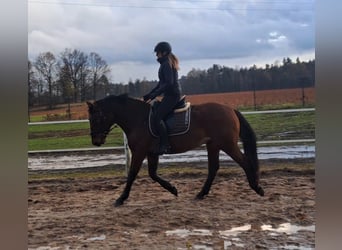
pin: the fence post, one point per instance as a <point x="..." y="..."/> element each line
<point x="127" y="153"/>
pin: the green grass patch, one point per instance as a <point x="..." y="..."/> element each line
<point x="67" y="136"/>
<point x="37" y="118"/>
<point x="58" y="127"/>
<point x="283" y="126"/>
<point x="274" y="107"/>
<point x="273" y="126"/>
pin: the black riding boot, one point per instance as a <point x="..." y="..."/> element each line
<point x="164" y="146"/>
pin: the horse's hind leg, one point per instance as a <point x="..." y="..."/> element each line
<point x="152" y="161"/>
<point x="213" y="166"/>
<point x="252" y="176"/>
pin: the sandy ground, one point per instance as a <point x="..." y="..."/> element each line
<point x="77" y="213"/>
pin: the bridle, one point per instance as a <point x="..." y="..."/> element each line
<point x="105" y="132"/>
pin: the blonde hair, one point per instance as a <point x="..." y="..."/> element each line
<point x="173" y="60"/>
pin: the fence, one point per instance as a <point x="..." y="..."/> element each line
<point x="125" y="139"/>
<point x="126" y="148"/>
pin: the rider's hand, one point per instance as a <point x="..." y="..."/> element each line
<point x="147" y="97"/>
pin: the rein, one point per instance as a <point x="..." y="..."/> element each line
<point x="104" y="133"/>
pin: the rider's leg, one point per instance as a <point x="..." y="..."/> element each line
<point x="165" y="107"/>
<point x="164" y="146"/>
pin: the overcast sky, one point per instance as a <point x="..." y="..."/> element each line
<point x="233" y="33"/>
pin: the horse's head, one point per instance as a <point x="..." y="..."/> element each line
<point x="122" y="110"/>
<point x="100" y="123"/>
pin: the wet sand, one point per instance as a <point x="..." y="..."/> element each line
<point x="77" y="213"/>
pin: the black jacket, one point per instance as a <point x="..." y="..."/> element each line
<point x="168" y="80"/>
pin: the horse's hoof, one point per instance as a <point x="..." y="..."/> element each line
<point x="260" y="191"/>
<point x="174" y="191"/>
<point x="118" y="203"/>
<point x="199" y="197"/>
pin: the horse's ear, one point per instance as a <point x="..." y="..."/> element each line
<point x="90" y="105"/>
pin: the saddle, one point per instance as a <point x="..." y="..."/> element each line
<point x="177" y="122"/>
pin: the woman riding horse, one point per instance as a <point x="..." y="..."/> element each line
<point x="217" y="126"/>
<point x="169" y="87"/>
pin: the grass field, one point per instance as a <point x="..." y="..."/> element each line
<point x="67" y="136"/>
<point x="279" y="126"/>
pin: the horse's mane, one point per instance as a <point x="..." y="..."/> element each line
<point x="119" y="99"/>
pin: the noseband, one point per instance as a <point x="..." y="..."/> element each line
<point x="103" y="133"/>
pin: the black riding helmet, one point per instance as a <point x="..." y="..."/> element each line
<point x="163" y="47"/>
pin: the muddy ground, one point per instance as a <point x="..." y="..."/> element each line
<point x="75" y="212"/>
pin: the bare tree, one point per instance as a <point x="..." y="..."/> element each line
<point x="76" y="68"/>
<point x="98" y="68"/>
<point x="65" y="84"/>
<point x="46" y="66"/>
<point x="32" y="84"/>
<point x="105" y="85"/>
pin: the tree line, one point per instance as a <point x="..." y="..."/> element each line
<point x="224" y="79"/>
<point x="75" y="76"/>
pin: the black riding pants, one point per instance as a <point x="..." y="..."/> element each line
<point x="165" y="107"/>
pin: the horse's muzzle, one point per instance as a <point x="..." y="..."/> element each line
<point x="98" y="140"/>
<point x="97" y="144"/>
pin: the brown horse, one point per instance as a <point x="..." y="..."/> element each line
<point x="216" y="125"/>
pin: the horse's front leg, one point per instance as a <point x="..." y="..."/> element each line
<point x="152" y="170"/>
<point x="137" y="159"/>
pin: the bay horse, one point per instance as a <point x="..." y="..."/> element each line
<point x="218" y="126"/>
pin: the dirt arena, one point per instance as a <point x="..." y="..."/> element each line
<point x="77" y="212"/>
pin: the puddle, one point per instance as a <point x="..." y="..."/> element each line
<point x="231" y="237"/>
<point x="185" y="232"/>
<point x="235" y="231"/>
<point x="201" y="247"/>
<point x="293" y="247"/>
<point x="228" y="243"/>
<point x="101" y="237"/>
<point x="288" y="228"/>
<point x="51" y="162"/>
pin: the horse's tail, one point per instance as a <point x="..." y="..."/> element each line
<point x="248" y="139"/>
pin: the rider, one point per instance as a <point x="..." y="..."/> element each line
<point x="168" y="86"/>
